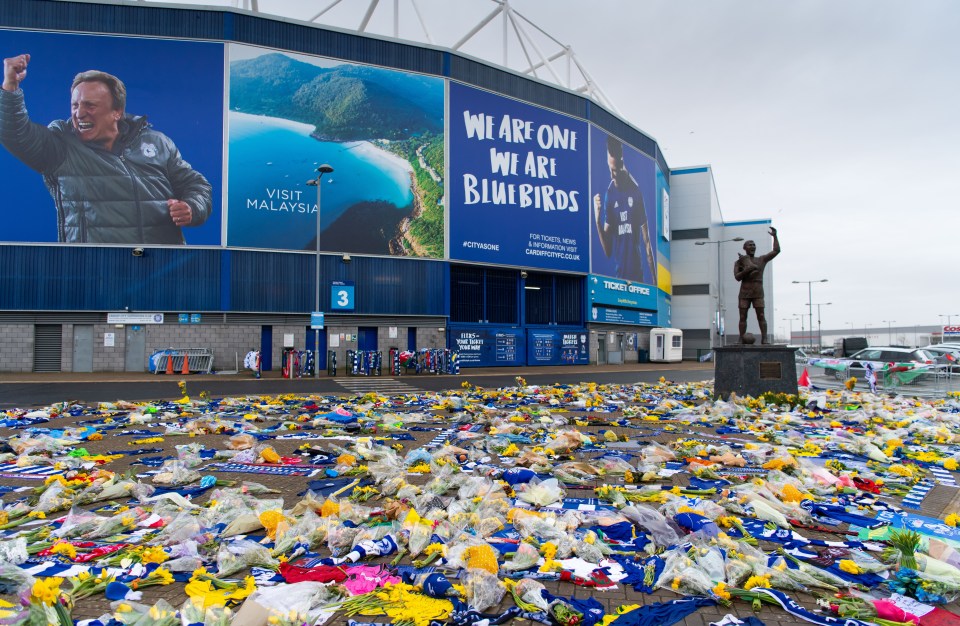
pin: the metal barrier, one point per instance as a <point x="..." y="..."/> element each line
<point x="331" y="363"/>
<point x="176" y="360"/>
<point x="931" y="380"/>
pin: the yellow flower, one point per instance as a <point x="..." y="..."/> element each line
<point x="64" y="548"/>
<point x="720" y="590"/>
<point x="163" y="575"/>
<point x="154" y="554"/>
<point x="46" y="591"/>
<point x="511" y="450"/>
<point x="757" y="581"/>
<point x="951" y="520"/>
<point x="950" y="464"/>
<point x="434" y="548"/>
<point x="849" y="566"/>
<point x="329" y="508"/>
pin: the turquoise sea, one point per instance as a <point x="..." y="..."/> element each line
<point x="270" y="204"/>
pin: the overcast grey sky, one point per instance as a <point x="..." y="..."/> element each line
<point x="838" y="119"/>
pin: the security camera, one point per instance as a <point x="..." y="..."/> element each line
<point x="523" y="274"/>
<point x="346" y="258"/>
<point x="138" y="252"/>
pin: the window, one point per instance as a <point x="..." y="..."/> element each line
<point x="466" y="294"/>
<point x="690" y="233"/>
<point x="676" y="341"/>
<point x="691" y="290"/>
<point x="501" y="299"/>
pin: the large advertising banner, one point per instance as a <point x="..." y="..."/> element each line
<point x="623" y="210"/>
<point x="519" y="183"/>
<point x="130" y="154"/>
<point x="550" y="347"/>
<point x="380" y="130"/>
<point x="489" y="346"/>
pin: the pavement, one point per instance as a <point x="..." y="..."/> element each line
<point x="27" y="389"/>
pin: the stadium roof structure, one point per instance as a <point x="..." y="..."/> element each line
<point x="519" y="43"/>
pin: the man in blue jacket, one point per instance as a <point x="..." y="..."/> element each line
<point x="112" y="177"/>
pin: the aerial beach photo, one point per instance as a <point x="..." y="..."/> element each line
<point x="381" y="131"/>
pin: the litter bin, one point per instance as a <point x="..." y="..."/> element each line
<point x="643" y="356"/>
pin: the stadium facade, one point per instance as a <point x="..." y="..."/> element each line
<point x="469" y="207"/>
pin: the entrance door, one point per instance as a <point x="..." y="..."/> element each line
<point x="615" y="348"/>
<point x="367" y="338"/>
<point x="266" y="348"/>
<point x="83" y="348"/>
<point x="412" y="338"/>
<point x="321" y="349"/>
<point x="658" y="346"/>
<point x="135" y="349"/>
<point x="601" y="348"/>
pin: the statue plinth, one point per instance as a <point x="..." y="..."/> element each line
<point x="753" y="370"/>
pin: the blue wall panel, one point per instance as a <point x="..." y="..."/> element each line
<point x="508" y="84"/>
<point x="278" y="282"/>
<point x="81" y="278"/>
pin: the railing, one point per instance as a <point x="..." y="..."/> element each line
<point x="182" y="361"/>
<point x="914" y="380"/>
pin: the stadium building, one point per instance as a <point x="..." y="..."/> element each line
<point x="417" y="197"/>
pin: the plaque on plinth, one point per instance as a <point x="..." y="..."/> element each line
<point x="752" y="370"/>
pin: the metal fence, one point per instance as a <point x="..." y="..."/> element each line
<point x="175" y="360"/>
<point x="933" y="380"/>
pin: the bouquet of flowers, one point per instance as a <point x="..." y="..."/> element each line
<point x="160" y="614"/>
<point x="524" y="558"/>
<point x="682" y="575"/>
<point x="239" y="555"/>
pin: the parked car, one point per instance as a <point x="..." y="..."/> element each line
<point x="882" y="354"/>
<point x="946" y="355"/>
<point x="942" y="350"/>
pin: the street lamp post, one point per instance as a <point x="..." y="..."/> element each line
<point x="720" y="308"/>
<point x="810" y="300"/>
<point x="790" y="320"/>
<point x="889" y="331"/>
<point x="819" y="328"/>
<point x="315" y="182"/>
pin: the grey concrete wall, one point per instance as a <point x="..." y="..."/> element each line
<point x="229" y="343"/>
<point x="16" y="348"/>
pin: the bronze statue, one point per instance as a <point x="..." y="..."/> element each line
<point x="749" y="271"/>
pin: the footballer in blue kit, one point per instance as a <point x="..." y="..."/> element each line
<point x="621" y="220"/>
